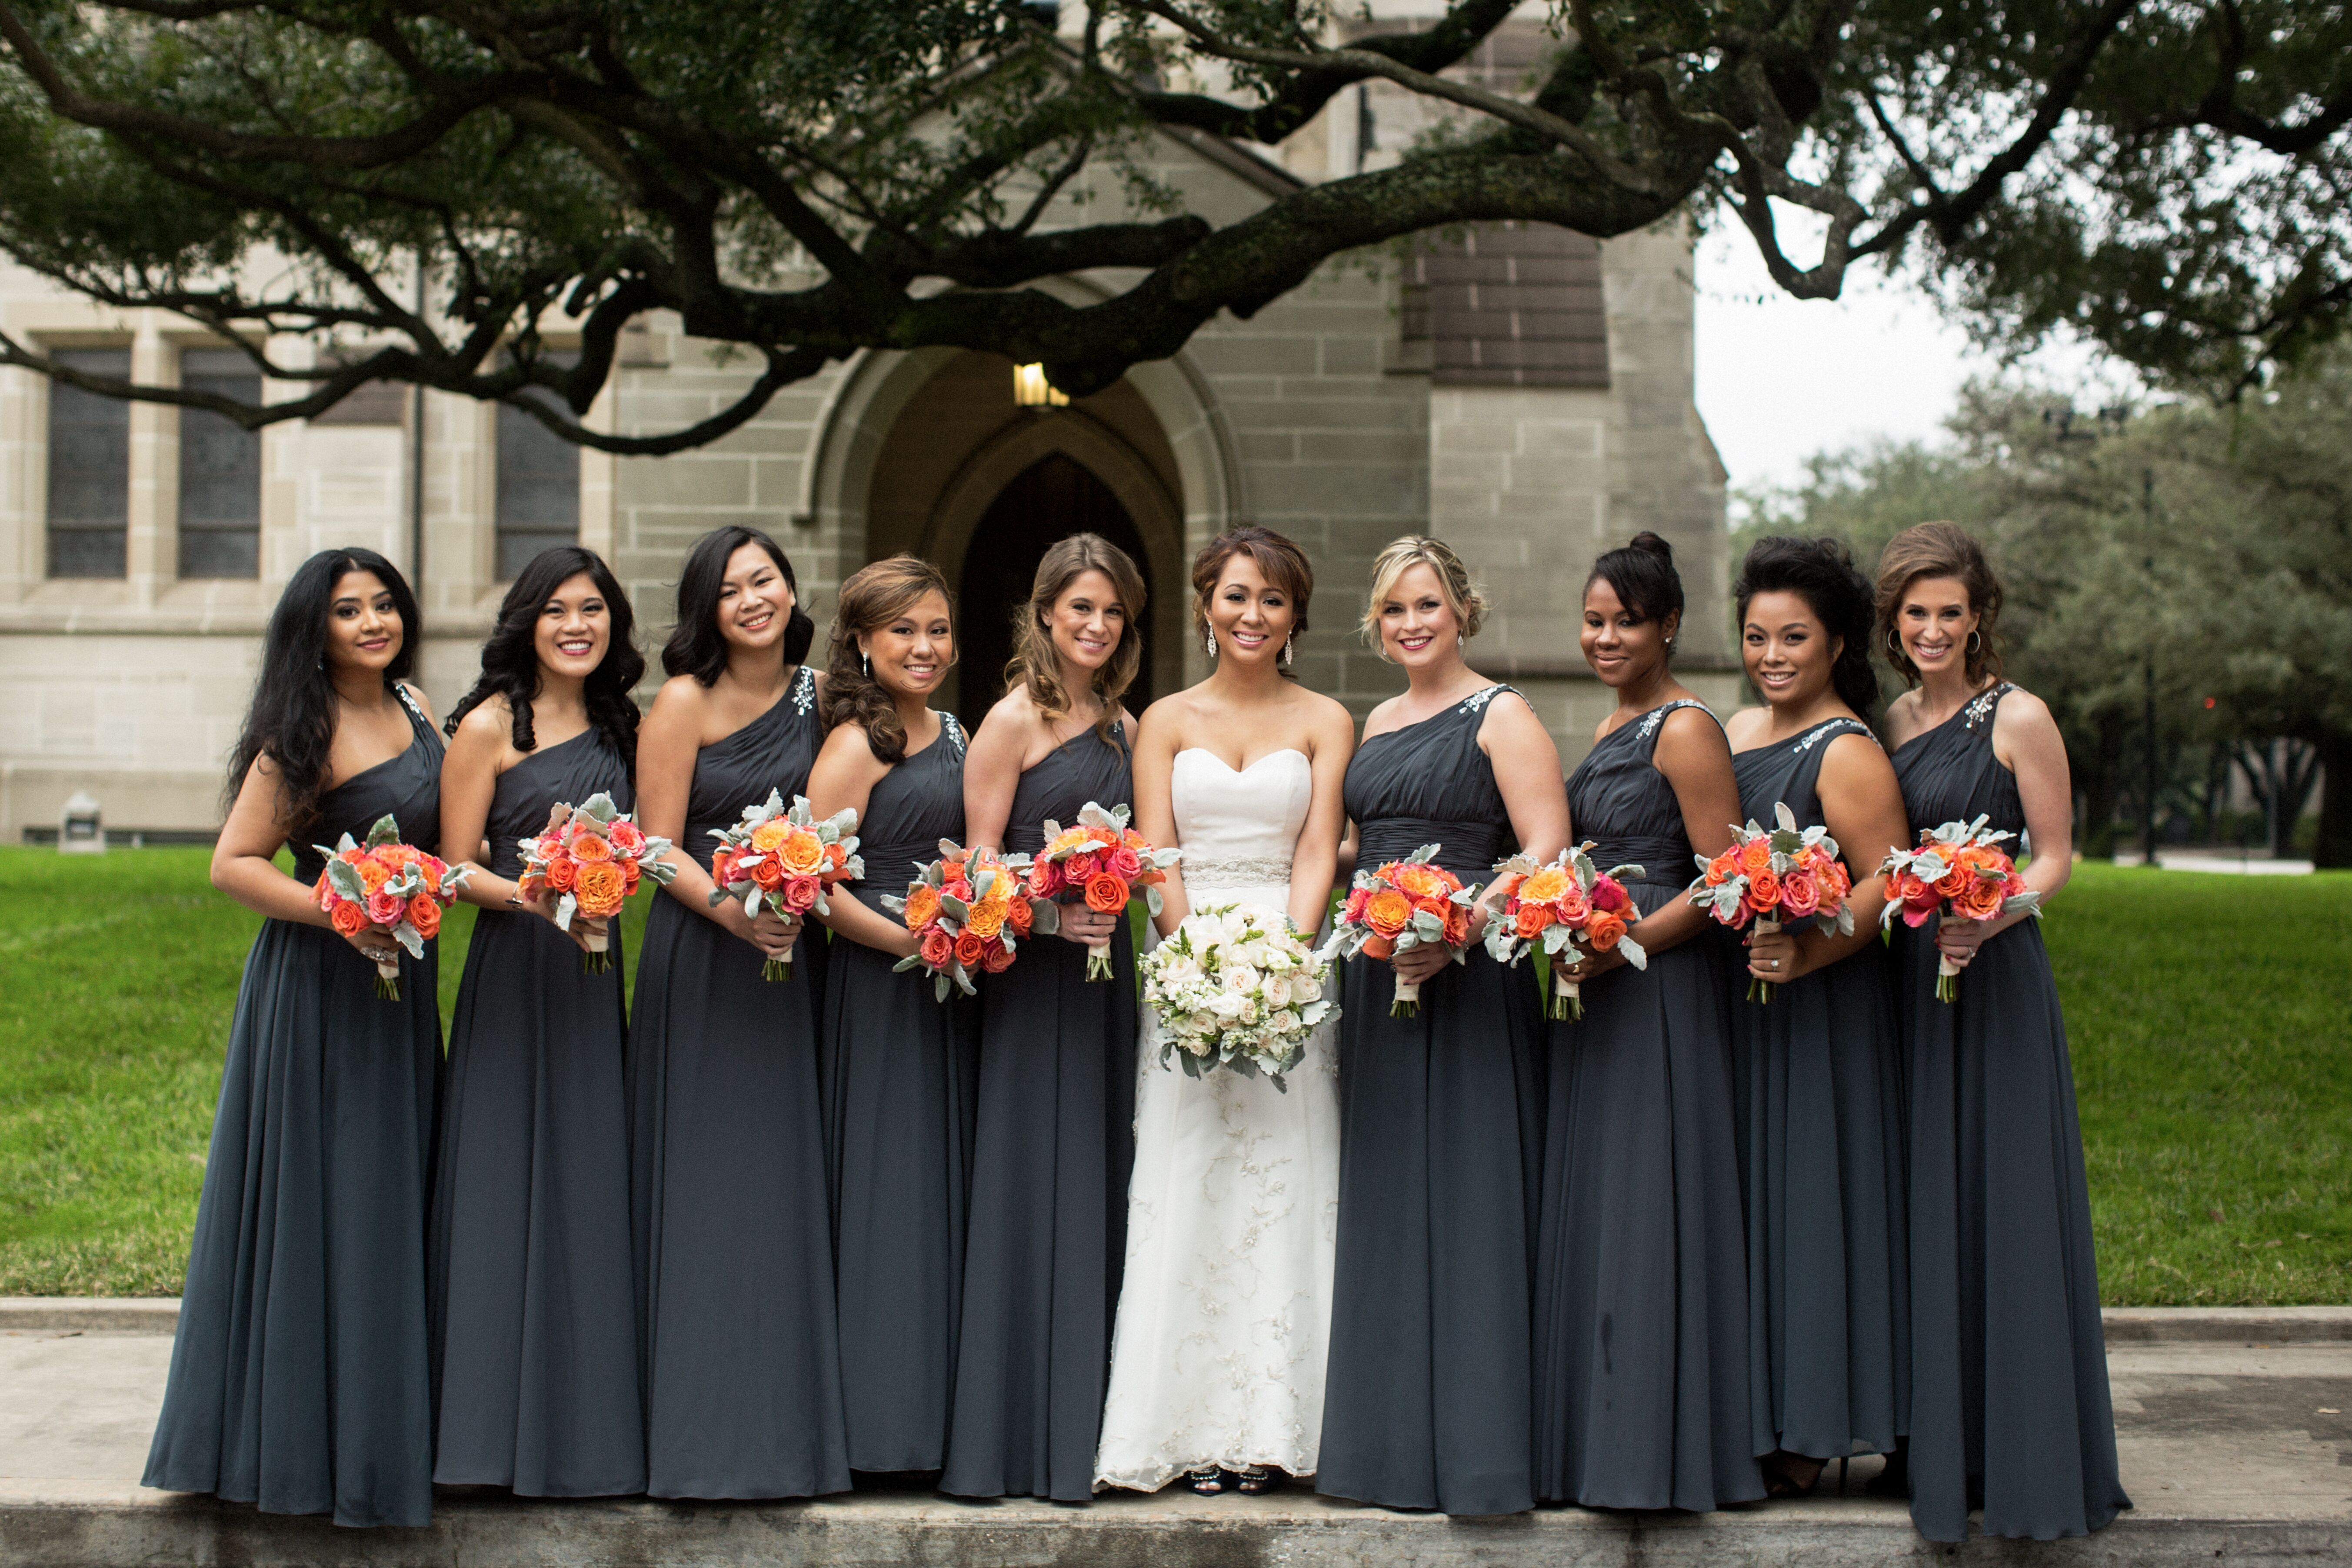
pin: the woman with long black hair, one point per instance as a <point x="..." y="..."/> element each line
<point x="742" y="1365"/>
<point x="534" y="1313"/>
<point x="300" y="1377"/>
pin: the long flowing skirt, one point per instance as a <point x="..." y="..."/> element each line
<point x="1225" y="1313"/>
<point x="1426" y="1401"/>
<point x="899" y="1070"/>
<point x="742" y="1377"/>
<point x="534" y="1313"/>
<point x="1642" y="1383"/>
<point x="2008" y="1389"/>
<point x="300" y="1378"/>
<point x="1054" y="1144"/>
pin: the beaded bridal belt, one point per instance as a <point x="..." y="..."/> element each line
<point x="1237" y="871"/>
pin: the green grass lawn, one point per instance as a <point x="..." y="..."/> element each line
<point x="2209" y="1052"/>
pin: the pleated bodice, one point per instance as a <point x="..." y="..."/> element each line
<point x="1950" y="774"/>
<point x="1081" y="769"/>
<point x="1618" y="799"/>
<point x="407" y="786"/>
<point x="1430" y="784"/>
<point x="562" y="774"/>
<point x="1789" y="772"/>
<point x="773" y="752"/>
<point x="910" y="810"/>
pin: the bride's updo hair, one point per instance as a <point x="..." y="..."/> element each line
<point x="1462" y="597"/>
<point x="1281" y="561"/>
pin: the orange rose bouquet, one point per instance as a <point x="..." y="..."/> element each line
<point x="1402" y="906"/>
<point x="1775" y="876"/>
<point x="591" y="856"/>
<point x="968" y="915"/>
<point x="394" y="887"/>
<point x="1958" y="870"/>
<point x="1569" y="907"/>
<point x="782" y="859"/>
<point x="1104" y="860"/>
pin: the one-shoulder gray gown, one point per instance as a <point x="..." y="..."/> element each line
<point x="1642" y="1381"/>
<point x="900" y="1073"/>
<point x="1425" y="1404"/>
<point x="2008" y="1367"/>
<point x="1820" y="1122"/>
<point x="300" y="1377"/>
<point x="534" y="1310"/>
<point x="1053" y="1146"/>
<point x="734" y="1240"/>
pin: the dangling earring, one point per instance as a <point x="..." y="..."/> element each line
<point x="1287" y="639"/>
<point x="866" y="664"/>
<point x="1209" y="640"/>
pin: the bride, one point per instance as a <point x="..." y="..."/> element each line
<point x="1217" y="1360"/>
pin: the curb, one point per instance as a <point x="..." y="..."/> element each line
<point x="2124" y="1325"/>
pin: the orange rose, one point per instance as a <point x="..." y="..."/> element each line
<point x="629" y="875"/>
<point x="424" y="914"/>
<point x="1106" y="893"/>
<point x="1602" y="932"/>
<point x="768" y="874"/>
<point x="588" y="848"/>
<point x="601" y="888"/>
<point x="1532" y="919"/>
<point x="1545" y="885"/>
<point x="804" y="853"/>
<point x="1388" y="912"/>
<point x="1020" y="915"/>
<point x="1954" y="882"/>
<point x="1722" y="867"/>
<point x="1067" y="840"/>
<point x="970" y="947"/>
<point x="937" y="948"/>
<point x="1379" y="947"/>
<point x="1417" y="881"/>
<point x="837" y="856"/>
<point x="1755" y="855"/>
<point x="1764" y="888"/>
<point x="1981" y="899"/>
<point x="348" y="918"/>
<point x="988" y="918"/>
<point x="770" y="834"/>
<point x="1457" y="925"/>
<point x="922" y="905"/>
<point x="561" y="871"/>
<point x="373" y="874"/>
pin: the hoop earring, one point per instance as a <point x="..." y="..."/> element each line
<point x="1209" y="641"/>
<point x="1975" y="644"/>
<point x="1287" y="639"/>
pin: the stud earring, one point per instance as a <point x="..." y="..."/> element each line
<point x="1287" y="639"/>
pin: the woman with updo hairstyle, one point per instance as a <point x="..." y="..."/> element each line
<point x="533" y="1296"/>
<point x="1225" y="1311"/>
<point x="1426" y="1400"/>
<point x="1054" y="1136"/>
<point x="1642" y="1367"/>
<point x="897" y="1066"/>
<point x="1820" y="1069"/>
<point x="742" y="1367"/>
<point x="2009" y="1369"/>
<point x="301" y="1378"/>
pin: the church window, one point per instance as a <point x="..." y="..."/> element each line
<point x="90" y="470"/>
<point x="220" y="470"/>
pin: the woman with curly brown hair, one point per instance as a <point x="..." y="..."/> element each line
<point x="2010" y="1409"/>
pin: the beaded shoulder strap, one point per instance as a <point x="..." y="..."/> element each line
<point x="953" y="730"/>
<point x="1476" y="701"/>
<point x="1647" y="730"/>
<point x="1980" y="709"/>
<point x="1829" y="730"/>
<point x="804" y="692"/>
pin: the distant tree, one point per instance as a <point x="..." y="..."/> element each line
<point x="810" y="178"/>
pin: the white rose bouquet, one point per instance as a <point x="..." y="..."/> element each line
<point x="1236" y="987"/>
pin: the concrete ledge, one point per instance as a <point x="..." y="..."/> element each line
<point x="2124" y="1325"/>
<point x="1294" y="1530"/>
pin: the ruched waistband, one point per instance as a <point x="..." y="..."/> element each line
<point x="1468" y="849"/>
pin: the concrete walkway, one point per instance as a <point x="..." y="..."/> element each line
<point x="2235" y="1430"/>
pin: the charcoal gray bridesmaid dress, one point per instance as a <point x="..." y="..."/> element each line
<point x="1820" y="1122"/>
<point x="300" y="1377"/>
<point x="2008" y="1367"/>
<point x="1053" y="1148"/>
<point x="1425" y="1402"/>
<point x="1641" y="1380"/>
<point x="741" y="1378"/>
<point x="534" y="1310"/>
<point x="900" y="1070"/>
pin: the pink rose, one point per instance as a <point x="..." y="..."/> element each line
<point x="1800" y="894"/>
<point x="385" y="908"/>
<point x="627" y="838"/>
<point x="938" y="947"/>
<point x="1609" y="893"/>
<point x="1125" y="864"/>
<point x="801" y="893"/>
<point x="1922" y="905"/>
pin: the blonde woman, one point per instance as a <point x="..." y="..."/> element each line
<point x="1426" y="1400"/>
<point x="1055" y="1134"/>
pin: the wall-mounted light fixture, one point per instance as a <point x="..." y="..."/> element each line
<point x="1031" y="390"/>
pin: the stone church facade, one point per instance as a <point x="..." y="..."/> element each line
<point x="1521" y="392"/>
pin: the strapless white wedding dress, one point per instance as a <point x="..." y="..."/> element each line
<point x="1226" y="1307"/>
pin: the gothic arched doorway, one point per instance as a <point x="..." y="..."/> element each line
<point x="1051" y="500"/>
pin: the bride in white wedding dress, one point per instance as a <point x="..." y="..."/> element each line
<point x="1226" y="1307"/>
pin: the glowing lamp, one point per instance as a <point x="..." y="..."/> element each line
<point x="1031" y="390"/>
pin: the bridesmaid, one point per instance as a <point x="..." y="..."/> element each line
<point x="1818" y="1070"/>
<point x="897" y="1065"/>
<point x="2009" y="1408"/>
<point x="1055" y="1138"/>
<point x="300" y="1379"/>
<point x="1441" y="1116"/>
<point x="741" y="1378"/>
<point x="1641" y="1378"/>
<point x="533" y="1311"/>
